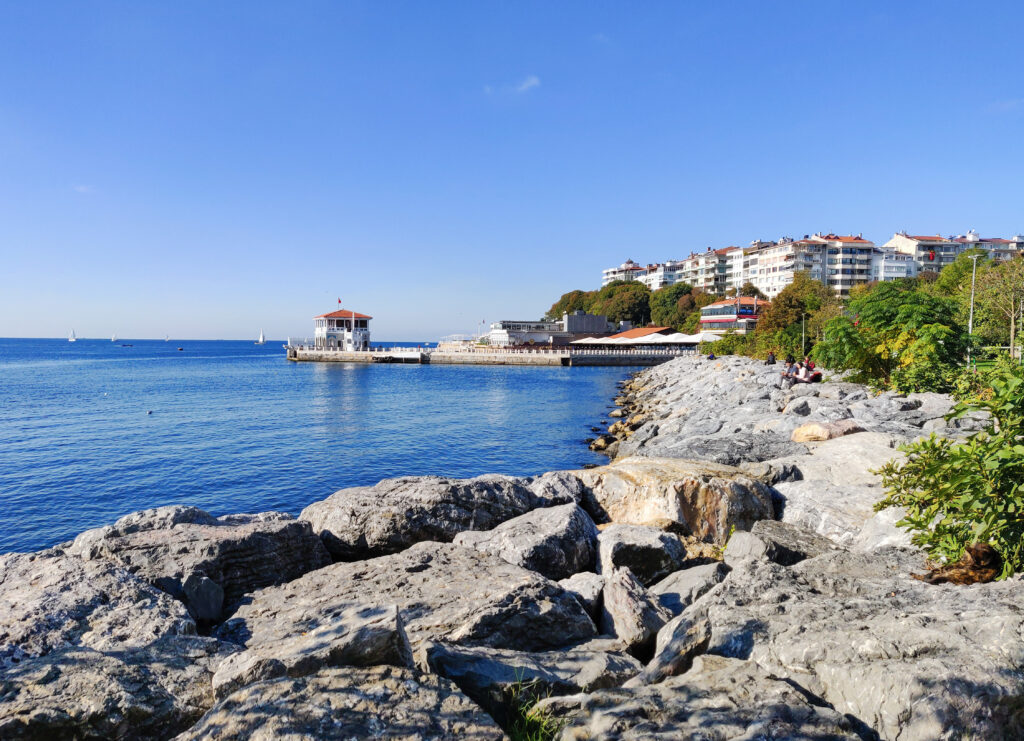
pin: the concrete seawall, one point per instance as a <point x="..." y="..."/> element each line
<point x="478" y="358"/>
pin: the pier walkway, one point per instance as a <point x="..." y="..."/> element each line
<point x="562" y="356"/>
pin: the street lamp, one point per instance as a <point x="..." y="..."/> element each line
<point x="970" y="317"/>
<point x="803" y="325"/>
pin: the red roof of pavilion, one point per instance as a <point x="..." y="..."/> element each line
<point x="343" y="314"/>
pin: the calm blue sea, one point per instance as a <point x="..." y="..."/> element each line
<point x="234" y="427"/>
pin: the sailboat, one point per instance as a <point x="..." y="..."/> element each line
<point x="113" y="337"/>
<point x="71" y="337"/>
<point x="167" y="338"/>
<point x="262" y="340"/>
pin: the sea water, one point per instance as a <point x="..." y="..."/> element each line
<point x="93" y="430"/>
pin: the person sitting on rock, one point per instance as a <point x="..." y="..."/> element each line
<point x="803" y="375"/>
<point x="771" y="358"/>
<point x="808" y="362"/>
<point x="791" y="369"/>
<point x="790" y="359"/>
<point x="711" y="355"/>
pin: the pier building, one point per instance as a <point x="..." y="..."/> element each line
<point x="342" y="330"/>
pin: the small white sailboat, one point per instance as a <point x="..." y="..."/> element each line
<point x="71" y="337"/>
<point x="113" y="337"/>
<point x="262" y="340"/>
<point x="167" y="338"/>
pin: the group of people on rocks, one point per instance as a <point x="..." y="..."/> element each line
<point x="797" y="372"/>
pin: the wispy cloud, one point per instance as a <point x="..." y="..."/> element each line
<point x="522" y="87"/>
<point x="85" y="190"/>
<point x="528" y="84"/>
<point x="1005" y="106"/>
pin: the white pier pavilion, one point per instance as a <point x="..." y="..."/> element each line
<point x="342" y="330"/>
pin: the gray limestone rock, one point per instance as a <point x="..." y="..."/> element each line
<point x="493" y="677"/>
<point x="240" y="553"/>
<point x="351" y="703"/>
<point x="630" y="612"/>
<point x="50" y="601"/>
<point x="719" y="698"/>
<point x="556" y="542"/>
<point x="776" y="541"/>
<point x="307" y="634"/>
<point x="442" y="592"/>
<point x="676" y="646"/>
<point x="145" y="692"/>
<point x="911" y="660"/>
<point x="392" y="515"/>
<point x="651" y="554"/>
<point x="680" y="589"/>
<point x="204" y="597"/>
<point x="586" y="586"/>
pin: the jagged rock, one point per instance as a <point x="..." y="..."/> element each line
<point x="240" y="553"/>
<point x="719" y="698"/>
<point x="911" y="660"/>
<point x="820" y="431"/>
<point x="776" y="541"/>
<point x="492" y="677"/>
<point x="740" y="443"/>
<point x="801" y="407"/>
<point x="675" y="648"/>
<point x="350" y="703"/>
<point x="680" y="589"/>
<point x="368" y="521"/>
<point x="557" y="487"/>
<point x="630" y="612"/>
<point x="307" y="634"/>
<point x="204" y="597"/>
<point x="50" y="601"/>
<point x="442" y="592"/>
<point x="554" y="541"/>
<point x="144" y="692"/>
<point x="603" y="443"/>
<point x="703" y="499"/>
<point x="586" y="586"/>
<point x="649" y="553"/>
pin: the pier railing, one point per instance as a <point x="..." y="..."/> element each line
<point x="307" y="343"/>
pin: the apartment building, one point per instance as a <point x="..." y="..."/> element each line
<point x="628" y="270"/>
<point x="928" y="252"/>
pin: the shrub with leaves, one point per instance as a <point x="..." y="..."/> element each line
<point x="958" y="493"/>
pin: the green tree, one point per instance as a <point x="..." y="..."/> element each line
<point x="1000" y="298"/>
<point x="955" y="278"/>
<point x="623" y="301"/>
<point x="803" y="296"/>
<point x="896" y="334"/>
<point x="959" y="493"/>
<point x="749" y="289"/>
<point x="569" y="302"/>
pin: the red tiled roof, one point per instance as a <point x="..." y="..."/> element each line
<point x="725" y="250"/>
<point x="632" y="334"/>
<point x="836" y="238"/>
<point x="936" y="238"/>
<point x="744" y="301"/>
<point x="343" y="314"/>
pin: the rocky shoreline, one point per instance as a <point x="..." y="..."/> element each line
<point x="725" y="575"/>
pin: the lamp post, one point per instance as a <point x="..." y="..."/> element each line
<point x="970" y="317"/>
<point x="803" y="325"/>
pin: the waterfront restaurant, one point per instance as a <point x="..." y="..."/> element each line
<point x="342" y="330"/>
<point x="738" y="315"/>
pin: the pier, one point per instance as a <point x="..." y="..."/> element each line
<point x="562" y="356"/>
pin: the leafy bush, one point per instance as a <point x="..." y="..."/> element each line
<point x="959" y="493"/>
<point x="731" y="344"/>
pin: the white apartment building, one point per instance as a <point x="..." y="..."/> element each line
<point x="928" y="252"/>
<point x="663" y="274"/>
<point x="998" y="249"/>
<point x="628" y="270"/>
<point x="776" y="263"/>
<point x="890" y="265"/>
<point x="847" y="261"/>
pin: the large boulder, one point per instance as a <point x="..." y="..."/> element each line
<point x="587" y="587"/>
<point x="780" y="542"/>
<point x="145" y="692"/>
<point x="719" y="698"/>
<point x="496" y="678"/>
<point x="309" y="634"/>
<point x="682" y="588"/>
<point x="705" y="500"/>
<point x="442" y="592"/>
<point x="209" y="563"/>
<point x="368" y="521"/>
<point x="678" y="642"/>
<point x="554" y="541"/>
<point x="650" y="553"/>
<point x="911" y="660"/>
<point x="351" y="703"/>
<point x="631" y="613"/>
<point x="50" y="601"/>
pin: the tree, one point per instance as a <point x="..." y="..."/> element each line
<point x="1001" y="293"/>
<point x="803" y="296"/>
<point x="569" y="302"/>
<point x="956" y="277"/>
<point x="749" y="289"/>
<point x="896" y="334"/>
<point x="669" y="307"/>
<point x="623" y="301"/>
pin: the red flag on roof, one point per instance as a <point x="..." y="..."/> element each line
<point x="339" y="302"/>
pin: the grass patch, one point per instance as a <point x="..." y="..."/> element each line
<point x="526" y="722"/>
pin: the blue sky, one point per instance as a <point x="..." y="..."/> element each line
<point x="207" y="169"/>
